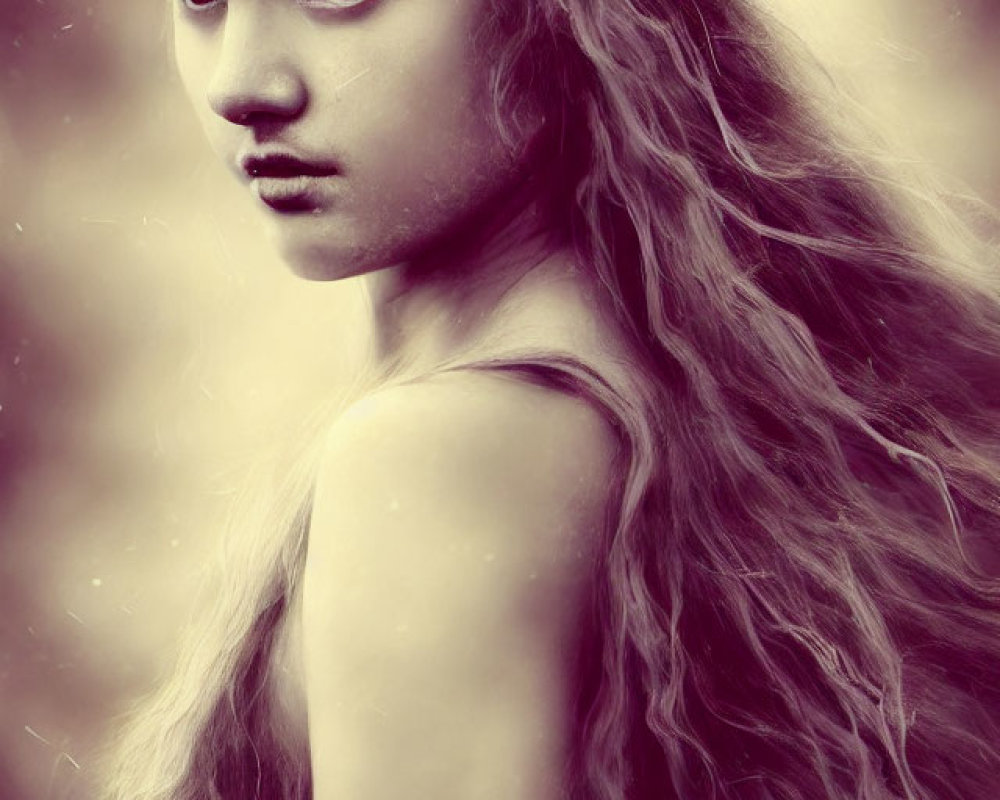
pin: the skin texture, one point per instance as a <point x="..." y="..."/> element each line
<point x="787" y="607"/>
<point x="449" y="556"/>
<point x="388" y="92"/>
<point x="450" y="539"/>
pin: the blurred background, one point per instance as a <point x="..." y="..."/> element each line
<point x="153" y="351"/>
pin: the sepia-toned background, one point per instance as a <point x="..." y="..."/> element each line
<point x="153" y="353"/>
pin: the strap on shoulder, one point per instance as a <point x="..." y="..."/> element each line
<point x="561" y="371"/>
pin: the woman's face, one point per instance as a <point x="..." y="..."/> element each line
<point x="362" y="126"/>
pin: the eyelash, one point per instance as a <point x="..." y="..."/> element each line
<point x="190" y="5"/>
<point x="331" y="3"/>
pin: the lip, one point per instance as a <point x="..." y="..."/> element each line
<point x="287" y="183"/>
<point x="285" y="165"/>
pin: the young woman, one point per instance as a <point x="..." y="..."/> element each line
<point x="680" y="475"/>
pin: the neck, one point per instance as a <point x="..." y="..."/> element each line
<point x="430" y="309"/>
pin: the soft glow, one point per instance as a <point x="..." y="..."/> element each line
<point x="153" y="350"/>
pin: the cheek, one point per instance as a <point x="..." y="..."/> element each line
<point x="424" y="140"/>
<point x="194" y="57"/>
<point x="438" y="153"/>
<point x="192" y="51"/>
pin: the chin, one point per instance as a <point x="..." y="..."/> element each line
<point x="331" y="250"/>
<point x="317" y="264"/>
<point x="325" y="261"/>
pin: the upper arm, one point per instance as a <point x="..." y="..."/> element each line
<point x="449" y="549"/>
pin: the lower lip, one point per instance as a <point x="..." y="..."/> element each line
<point x="294" y="194"/>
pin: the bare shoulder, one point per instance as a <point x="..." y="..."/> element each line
<point x="482" y="440"/>
<point x="448" y="563"/>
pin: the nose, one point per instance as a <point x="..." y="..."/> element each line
<point x="256" y="79"/>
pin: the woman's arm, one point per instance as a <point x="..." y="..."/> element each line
<point x="448" y="554"/>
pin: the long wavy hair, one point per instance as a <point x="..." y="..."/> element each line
<point x="799" y="597"/>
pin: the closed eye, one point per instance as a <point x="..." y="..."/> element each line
<point x="201" y="5"/>
<point x="205" y="5"/>
<point x="345" y="10"/>
<point x="332" y="3"/>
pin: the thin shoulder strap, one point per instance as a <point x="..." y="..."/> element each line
<point x="561" y="371"/>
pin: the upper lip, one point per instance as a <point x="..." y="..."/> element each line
<point x="283" y="165"/>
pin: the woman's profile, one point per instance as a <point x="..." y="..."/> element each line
<point x="678" y="471"/>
